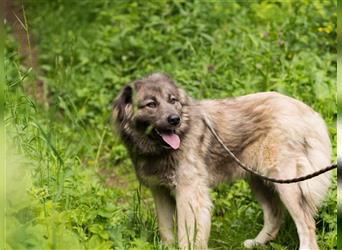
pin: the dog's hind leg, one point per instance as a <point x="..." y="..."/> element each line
<point x="292" y="197"/>
<point x="273" y="213"/>
<point x="165" y="207"/>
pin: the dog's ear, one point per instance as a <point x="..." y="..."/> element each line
<point x="124" y="98"/>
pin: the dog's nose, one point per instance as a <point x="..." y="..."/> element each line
<point x="173" y="120"/>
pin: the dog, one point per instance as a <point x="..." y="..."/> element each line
<point x="176" y="157"/>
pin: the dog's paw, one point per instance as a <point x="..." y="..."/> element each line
<point x="250" y="243"/>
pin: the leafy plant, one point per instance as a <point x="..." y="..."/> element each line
<point x="75" y="181"/>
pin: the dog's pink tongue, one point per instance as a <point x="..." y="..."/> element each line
<point x="171" y="139"/>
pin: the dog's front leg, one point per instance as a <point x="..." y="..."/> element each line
<point x="165" y="208"/>
<point x="193" y="216"/>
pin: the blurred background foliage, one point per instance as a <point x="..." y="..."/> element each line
<point x="70" y="182"/>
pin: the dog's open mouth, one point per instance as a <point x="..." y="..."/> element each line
<point x="169" y="137"/>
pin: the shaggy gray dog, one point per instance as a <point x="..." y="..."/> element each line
<point x="179" y="160"/>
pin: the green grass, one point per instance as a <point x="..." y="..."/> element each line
<point x="70" y="184"/>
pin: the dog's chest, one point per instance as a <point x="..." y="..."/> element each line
<point x="157" y="171"/>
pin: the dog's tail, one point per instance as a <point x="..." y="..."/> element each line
<point x="315" y="190"/>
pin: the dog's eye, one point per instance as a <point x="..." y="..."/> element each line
<point x="151" y="104"/>
<point x="173" y="100"/>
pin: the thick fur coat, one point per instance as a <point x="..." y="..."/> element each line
<point x="176" y="156"/>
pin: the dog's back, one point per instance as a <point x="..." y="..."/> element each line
<point x="263" y="125"/>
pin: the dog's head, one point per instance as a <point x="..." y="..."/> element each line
<point x="151" y="114"/>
